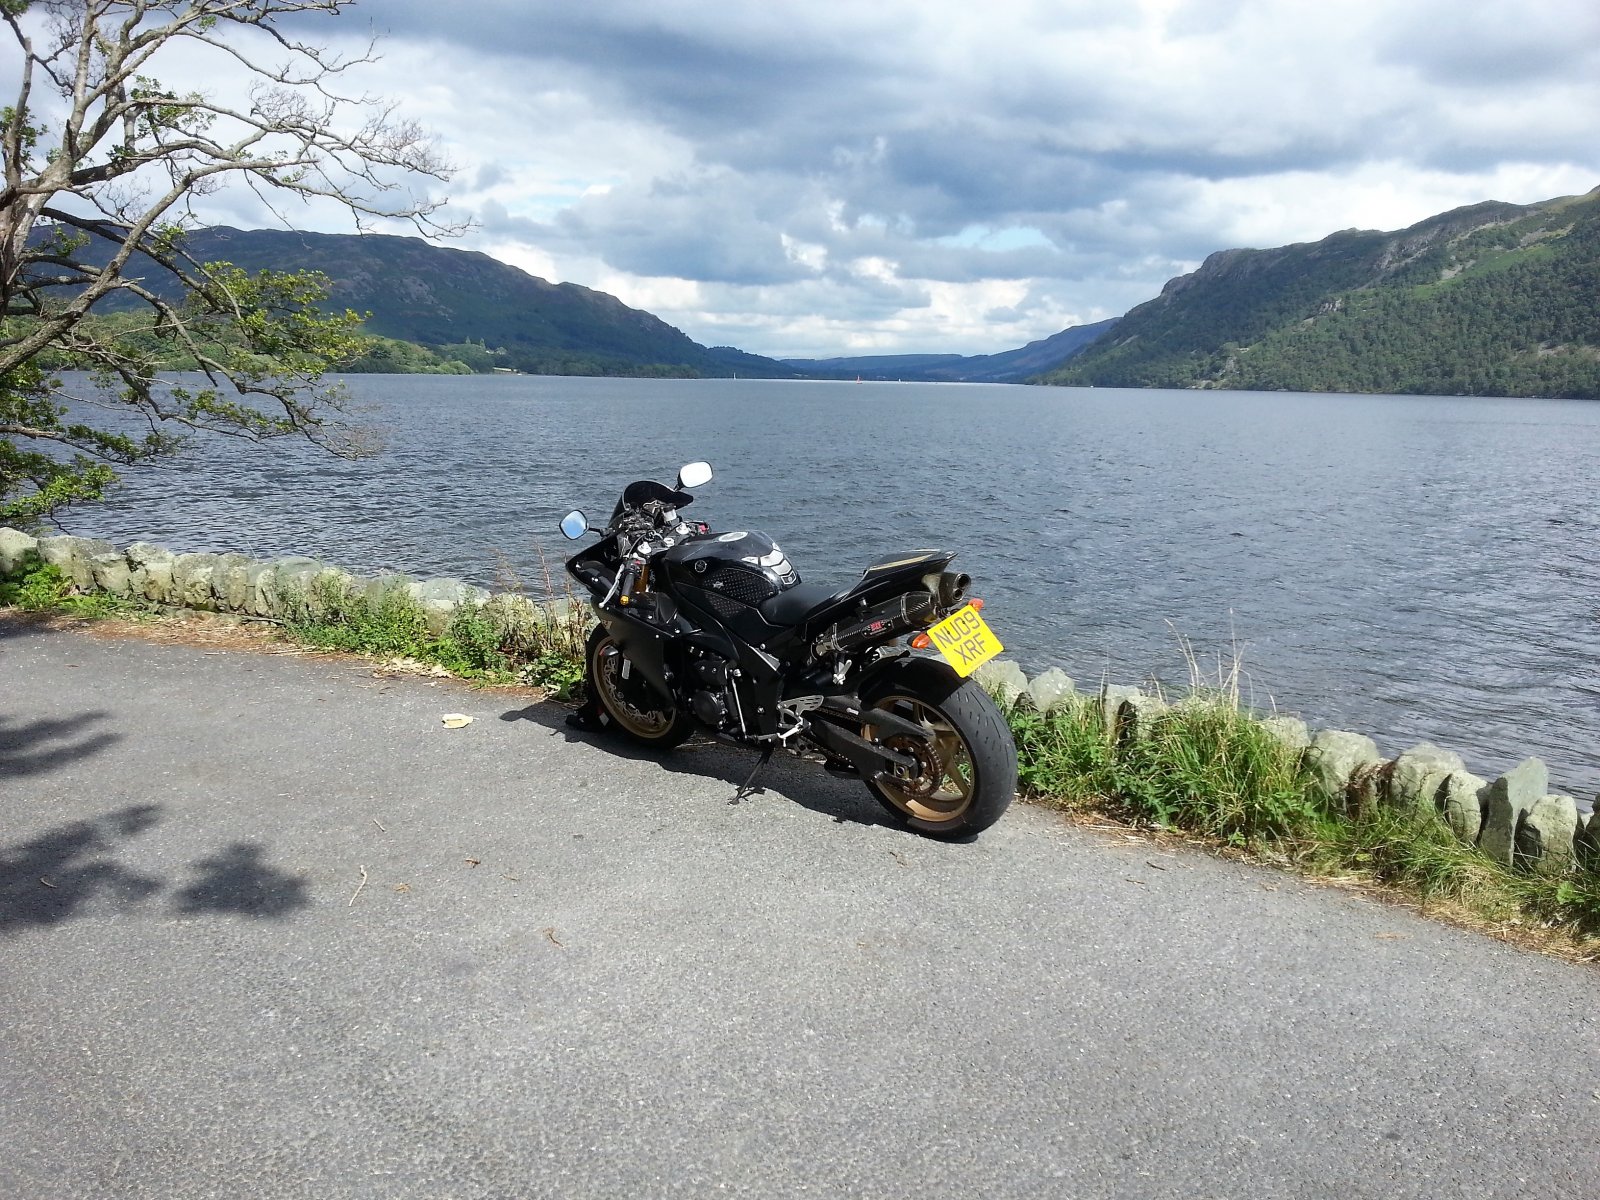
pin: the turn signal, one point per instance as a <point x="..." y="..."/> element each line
<point x="921" y="642"/>
<point x="976" y="604"/>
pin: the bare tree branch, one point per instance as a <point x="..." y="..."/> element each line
<point x="111" y="169"/>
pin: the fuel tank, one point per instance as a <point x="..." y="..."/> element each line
<point x="728" y="574"/>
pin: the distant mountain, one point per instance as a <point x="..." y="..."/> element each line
<point x="440" y="297"/>
<point x="873" y="366"/>
<point x="1492" y="299"/>
<point x="1010" y="366"/>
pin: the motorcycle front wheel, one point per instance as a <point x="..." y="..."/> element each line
<point x="630" y="702"/>
<point x="967" y="773"/>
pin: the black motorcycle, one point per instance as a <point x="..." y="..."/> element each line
<point x="717" y="631"/>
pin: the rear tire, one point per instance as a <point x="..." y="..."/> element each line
<point x="969" y="778"/>
<point x="632" y="704"/>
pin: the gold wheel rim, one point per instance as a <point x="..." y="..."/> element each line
<point x="640" y="722"/>
<point x="943" y="793"/>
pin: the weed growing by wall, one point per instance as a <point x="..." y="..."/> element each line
<point x="1204" y="765"/>
<point x="38" y="586"/>
<point x="332" y="614"/>
<point x="1420" y="854"/>
<point x="509" y="639"/>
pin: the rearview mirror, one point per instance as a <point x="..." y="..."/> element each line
<point x="574" y="525"/>
<point x="694" y="474"/>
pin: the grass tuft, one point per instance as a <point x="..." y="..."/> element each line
<point x="1204" y="765"/>
<point x="1208" y="766"/>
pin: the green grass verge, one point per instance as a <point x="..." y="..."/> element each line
<point x="508" y="640"/>
<point x="1204" y="765"/>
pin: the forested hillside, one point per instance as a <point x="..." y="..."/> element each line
<point x="468" y="308"/>
<point x="1495" y="299"/>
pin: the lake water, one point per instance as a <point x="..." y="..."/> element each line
<point x="1409" y="567"/>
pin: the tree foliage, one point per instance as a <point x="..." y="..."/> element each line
<point x="104" y="163"/>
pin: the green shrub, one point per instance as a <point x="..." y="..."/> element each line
<point x="546" y="642"/>
<point x="35" y="586"/>
<point x="558" y="672"/>
<point x="38" y="586"/>
<point x="1208" y="766"/>
<point x="472" y="645"/>
<point x="1065" y="755"/>
<point x="336" y="615"/>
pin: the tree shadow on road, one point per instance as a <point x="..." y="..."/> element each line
<point x="16" y="625"/>
<point x="56" y="876"/>
<point x="71" y="871"/>
<point x="845" y="800"/>
<point x="238" y="880"/>
<point x="38" y="746"/>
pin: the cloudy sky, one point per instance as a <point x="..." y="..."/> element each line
<point x="817" y="177"/>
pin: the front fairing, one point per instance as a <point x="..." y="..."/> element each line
<point x="596" y="566"/>
<point x="646" y="491"/>
<point x="643" y="503"/>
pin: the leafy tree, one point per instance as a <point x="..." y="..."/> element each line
<point x="474" y="354"/>
<point x="103" y="165"/>
<point x="389" y="356"/>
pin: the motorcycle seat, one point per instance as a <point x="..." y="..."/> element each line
<point x="797" y="605"/>
<point x="792" y="606"/>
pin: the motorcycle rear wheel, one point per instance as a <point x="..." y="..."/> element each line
<point x="648" y="724"/>
<point x="969" y="775"/>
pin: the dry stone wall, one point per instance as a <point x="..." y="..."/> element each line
<point x="225" y="583"/>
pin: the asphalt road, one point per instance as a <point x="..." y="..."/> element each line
<point x="573" y="972"/>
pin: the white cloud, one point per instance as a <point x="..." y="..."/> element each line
<point x="928" y="175"/>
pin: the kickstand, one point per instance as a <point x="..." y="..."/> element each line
<point x="745" y="792"/>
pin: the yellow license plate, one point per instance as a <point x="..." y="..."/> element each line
<point x="964" y="640"/>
